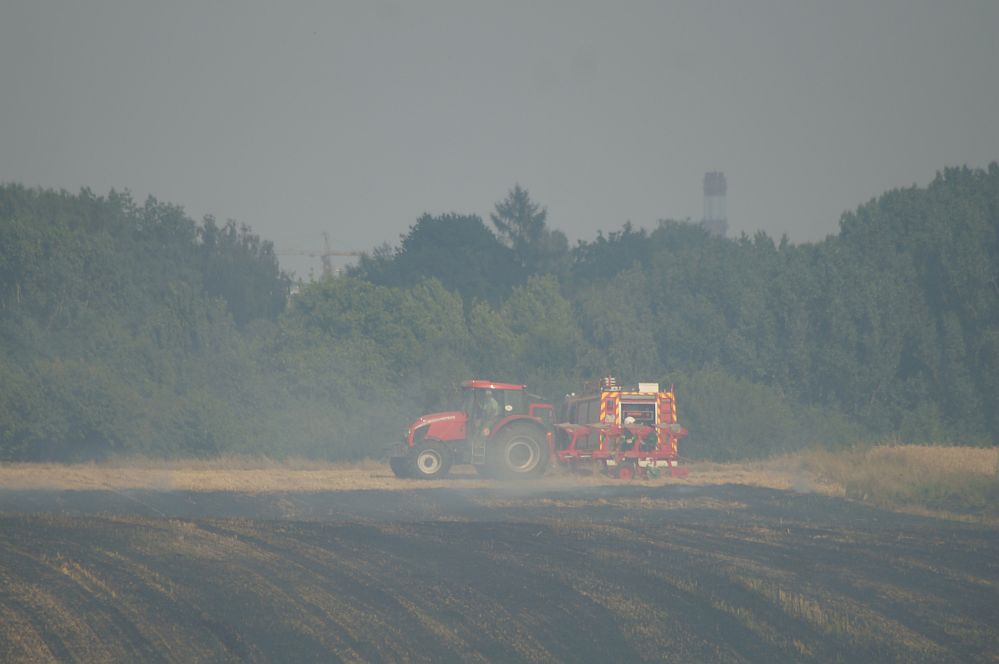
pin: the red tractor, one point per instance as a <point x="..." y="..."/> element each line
<point x="500" y="429"/>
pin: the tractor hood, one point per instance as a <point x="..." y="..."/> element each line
<point x="433" y="418"/>
<point x="447" y="425"/>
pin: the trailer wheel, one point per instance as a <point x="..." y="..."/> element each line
<point x="432" y="461"/>
<point x="519" y="451"/>
<point x="401" y="466"/>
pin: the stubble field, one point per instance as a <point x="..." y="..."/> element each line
<point x="570" y="569"/>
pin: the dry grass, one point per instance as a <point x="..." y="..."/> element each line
<point x="238" y="462"/>
<point x="782" y="473"/>
<point x="962" y="480"/>
<point x="945" y="480"/>
<point x="956" y="480"/>
<point x="244" y="474"/>
<point x="227" y="473"/>
<point x="942" y="480"/>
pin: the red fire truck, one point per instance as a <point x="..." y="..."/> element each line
<point x="622" y="431"/>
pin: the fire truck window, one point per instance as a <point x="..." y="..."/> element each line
<point x="644" y="413"/>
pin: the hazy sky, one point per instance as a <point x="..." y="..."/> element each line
<point x="356" y="117"/>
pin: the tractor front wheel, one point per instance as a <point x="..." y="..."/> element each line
<point x="432" y="461"/>
<point x="402" y="467"/>
<point x="519" y="452"/>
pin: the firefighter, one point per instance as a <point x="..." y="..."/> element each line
<point x="650" y="441"/>
<point x="627" y="437"/>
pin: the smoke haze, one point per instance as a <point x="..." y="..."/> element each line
<point x="355" y="118"/>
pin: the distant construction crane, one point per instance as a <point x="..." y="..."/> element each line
<point x="324" y="256"/>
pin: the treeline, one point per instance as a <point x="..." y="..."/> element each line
<point x="123" y="327"/>
<point x="131" y="328"/>
<point x="889" y="329"/>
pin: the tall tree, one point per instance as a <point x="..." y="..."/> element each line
<point x="520" y="223"/>
<point x="457" y="250"/>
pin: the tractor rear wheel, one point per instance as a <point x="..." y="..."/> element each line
<point x="519" y="452"/>
<point x="432" y="461"/>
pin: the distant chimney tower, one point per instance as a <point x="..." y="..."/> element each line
<point x="715" y="219"/>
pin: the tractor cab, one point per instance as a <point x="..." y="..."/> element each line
<point x="511" y="399"/>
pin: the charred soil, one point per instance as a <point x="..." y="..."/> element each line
<point x="594" y="573"/>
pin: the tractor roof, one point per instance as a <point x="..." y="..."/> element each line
<point x="490" y="385"/>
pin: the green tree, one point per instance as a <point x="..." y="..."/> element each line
<point x="520" y="223"/>
<point x="456" y="250"/>
<point x="243" y="270"/>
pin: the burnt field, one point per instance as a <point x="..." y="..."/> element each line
<point x="593" y="573"/>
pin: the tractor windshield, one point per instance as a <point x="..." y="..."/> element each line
<point x="468" y="401"/>
<point x="510" y="402"/>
